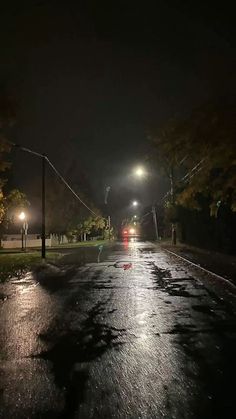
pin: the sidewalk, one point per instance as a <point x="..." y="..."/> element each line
<point x="219" y="263"/>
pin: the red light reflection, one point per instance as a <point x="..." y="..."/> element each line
<point x="126" y="242"/>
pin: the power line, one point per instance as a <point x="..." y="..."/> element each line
<point x="187" y="176"/>
<point x="68" y="186"/>
<point x="35" y="153"/>
<point x="145" y="215"/>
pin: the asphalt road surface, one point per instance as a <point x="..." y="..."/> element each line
<point x="139" y="335"/>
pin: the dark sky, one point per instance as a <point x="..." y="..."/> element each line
<point x="91" y="77"/>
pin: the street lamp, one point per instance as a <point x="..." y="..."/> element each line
<point x="135" y="203"/>
<point x="24" y="228"/>
<point x="22" y="216"/>
<point x="139" y="172"/>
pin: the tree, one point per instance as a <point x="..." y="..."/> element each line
<point x="168" y="154"/>
<point x="211" y="132"/>
<point x="14" y="200"/>
<point x="92" y="225"/>
<point x="11" y="205"/>
<point x="65" y="214"/>
<point x="198" y="156"/>
<point x="63" y="211"/>
<point x="5" y="119"/>
<point x="201" y="153"/>
<point x="4" y="165"/>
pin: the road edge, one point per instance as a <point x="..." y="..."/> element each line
<point x="221" y="287"/>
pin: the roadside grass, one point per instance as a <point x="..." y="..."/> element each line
<point x="89" y="243"/>
<point x="15" y="264"/>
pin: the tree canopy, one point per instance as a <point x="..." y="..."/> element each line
<point x="200" y="151"/>
<point x="14" y="200"/>
<point x="65" y="215"/>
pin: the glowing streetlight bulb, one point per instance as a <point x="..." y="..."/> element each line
<point x="139" y="171"/>
<point x="135" y="203"/>
<point x="22" y="216"/>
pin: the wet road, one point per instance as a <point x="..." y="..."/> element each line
<point x="140" y="335"/>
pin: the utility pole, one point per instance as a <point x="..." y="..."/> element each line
<point x="108" y="188"/>
<point x="22" y="238"/>
<point x="173" y="225"/>
<point x="43" y="158"/>
<point x="43" y="248"/>
<point x="155" y="221"/>
<point x="109" y="227"/>
<point x="25" y="228"/>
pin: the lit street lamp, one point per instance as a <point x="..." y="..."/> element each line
<point x="22" y="216"/>
<point x="135" y="203"/>
<point x="139" y="172"/>
<point x="24" y="228"/>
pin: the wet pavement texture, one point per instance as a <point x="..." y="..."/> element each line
<point x="218" y="263"/>
<point x="139" y="335"/>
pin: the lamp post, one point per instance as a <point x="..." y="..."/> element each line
<point x="140" y="172"/>
<point x="24" y="228"/>
<point x="154" y="214"/>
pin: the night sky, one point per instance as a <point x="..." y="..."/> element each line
<point x="90" y="78"/>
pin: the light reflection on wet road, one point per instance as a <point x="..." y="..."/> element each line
<point x="139" y="335"/>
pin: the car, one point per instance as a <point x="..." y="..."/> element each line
<point x="130" y="231"/>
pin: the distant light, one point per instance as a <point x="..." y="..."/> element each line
<point x="135" y="216"/>
<point x="132" y="231"/>
<point x="139" y="172"/>
<point x="125" y="232"/>
<point x="22" y="216"/>
<point x="135" y="203"/>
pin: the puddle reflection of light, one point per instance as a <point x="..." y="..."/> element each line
<point x="126" y="242"/>
<point x="31" y="309"/>
<point x="143" y="336"/>
<point x="130" y="243"/>
<point x="142" y="325"/>
<point x="24" y="289"/>
<point x="142" y="322"/>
